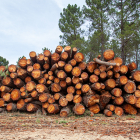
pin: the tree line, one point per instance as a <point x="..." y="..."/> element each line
<point x="101" y="25"/>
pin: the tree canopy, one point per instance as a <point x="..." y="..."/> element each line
<point x="70" y="22"/>
<point x="3" y="61"/>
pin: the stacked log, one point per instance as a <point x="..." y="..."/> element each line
<point x="62" y="82"/>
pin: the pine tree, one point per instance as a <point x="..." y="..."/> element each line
<point x="125" y="15"/>
<point x="96" y="11"/>
<point x="70" y="22"/>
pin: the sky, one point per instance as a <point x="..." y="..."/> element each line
<point x="30" y="25"/>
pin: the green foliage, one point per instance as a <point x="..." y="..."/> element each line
<point x="125" y="17"/>
<point x="19" y="59"/>
<point x="3" y="61"/>
<point x="2" y="74"/>
<point x="43" y="49"/>
<point x="96" y="12"/>
<point x="70" y="25"/>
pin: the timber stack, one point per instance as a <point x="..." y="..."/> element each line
<point x="62" y="82"/>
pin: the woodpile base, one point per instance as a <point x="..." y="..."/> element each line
<point x="61" y="82"/>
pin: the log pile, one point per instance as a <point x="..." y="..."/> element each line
<point x="62" y="82"/>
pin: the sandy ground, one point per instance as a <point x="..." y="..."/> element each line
<point x="56" y="134"/>
<point x="20" y="126"/>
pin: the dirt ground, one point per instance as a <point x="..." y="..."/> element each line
<point x="23" y="126"/>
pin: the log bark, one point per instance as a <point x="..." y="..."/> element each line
<point x="97" y="72"/>
<point x="75" y="80"/>
<point x="108" y="113"/>
<point x="40" y="59"/>
<point x="129" y="109"/>
<point x="77" y="99"/>
<point x="64" y="56"/>
<point x="61" y="75"/>
<point x="59" y="49"/>
<point x="55" y="57"/>
<point x="108" y="55"/>
<point x="78" y="86"/>
<point x="94" y="108"/>
<point x="31" y="107"/>
<point x="103" y="76"/>
<point x="46" y="66"/>
<point x="79" y="109"/>
<point x="71" y="90"/>
<point x="30" y="86"/>
<point x="57" y="96"/>
<point x="53" y="108"/>
<point x="64" y="112"/>
<point x="41" y="88"/>
<point x="136" y="76"/>
<point x="61" y="65"/>
<point x="129" y="98"/>
<point x="118" y="111"/>
<point x="7" y="82"/>
<point x="130" y="87"/>
<point x="68" y="81"/>
<point x="7" y="97"/>
<point x="11" y="107"/>
<point x="110" y="84"/>
<point x="12" y="68"/>
<point x="132" y="66"/>
<point x="28" y="79"/>
<point x="34" y="94"/>
<point x="91" y="66"/>
<point x="137" y="104"/>
<point x="93" y="78"/>
<point x="104" y="99"/>
<point x="45" y="105"/>
<point x="63" y="101"/>
<point x="13" y="75"/>
<point x="82" y="65"/>
<point x="102" y="68"/>
<point x="55" y="87"/>
<point x="37" y="74"/>
<point x="116" y="92"/>
<point x="98" y="61"/>
<point x="63" y="84"/>
<point x="85" y="76"/>
<point x="55" y="66"/>
<point x="90" y="100"/>
<point x="24" y="94"/>
<point x="69" y="97"/>
<point x="123" y="69"/>
<point x="33" y="56"/>
<point x="29" y="62"/>
<point x="79" y="57"/>
<point x="72" y="62"/>
<point x="47" y="53"/>
<point x="5" y="89"/>
<point x="18" y="82"/>
<point x="76" y="71"/>
<point x="51" y="100"/>
<point x="85" y="88"/>
<point x="118" y="60"/>
<point x="22" y="63"/>
<point x="118" y="100"/>
<point x="122" y="80"/>
<point x="110" y="74"/>
<point x="137" y="93"/>
<point x="68" y="68"/>
<point x="15" y="95"/>
<point x="2" y="102"/>
<point x="110" y="107"/>
<point x="57" y="80"/>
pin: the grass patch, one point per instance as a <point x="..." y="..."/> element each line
<point x="37" y="121"/>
